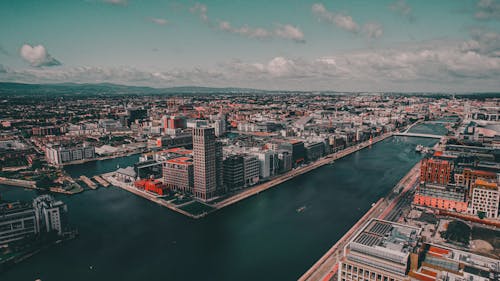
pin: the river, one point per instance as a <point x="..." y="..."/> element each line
<point x="125" y="237"/>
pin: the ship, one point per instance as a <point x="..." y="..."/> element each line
<point x="301" y="209"/>
<point x="419" y="148"/>
<point x="422" y="149"/>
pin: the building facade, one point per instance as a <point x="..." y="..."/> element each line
<point x="204" y="156"/>
<point x="485" y="199"/>
<point x="382" y="250"/>
<point x="178" y="174"/>
<point x="50" y="214"/>
<point x="17" y="221"/>
<point x="62" y="155"/>
<point x="234" y="172"/>
<point x="435" y="171"/>
<point x="251" y="170"/>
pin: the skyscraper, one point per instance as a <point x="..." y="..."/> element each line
<point x="205" y="167"/>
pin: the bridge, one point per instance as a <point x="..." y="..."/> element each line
<point x="419" y="135"/>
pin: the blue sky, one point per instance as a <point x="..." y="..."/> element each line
<point x="345" y="45"/>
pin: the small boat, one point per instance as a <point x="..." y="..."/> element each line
<point x="419" y="148"/>
<point x="301" y="209"/>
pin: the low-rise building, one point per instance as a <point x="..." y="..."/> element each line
<point x="178" y="174"/>
<point x="381" y="250"/>
<point x="445" y="197"/>
<point x="17" y="221"/>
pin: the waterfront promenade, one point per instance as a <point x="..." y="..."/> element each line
<point x="253" y="190"/>
<point x="296" y="172"/>
<point x="144" y="194"/>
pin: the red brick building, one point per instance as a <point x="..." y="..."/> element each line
<point x="435" y="171"/>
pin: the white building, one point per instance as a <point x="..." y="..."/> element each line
<point x="60" y="155"/>
<point x="269" y="163"/>
<point x="50" y="214"/>
<point x="485" y="199"/>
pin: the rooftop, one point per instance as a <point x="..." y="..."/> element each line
<point x="385" y="240"/>
<point x="181" y="161"/>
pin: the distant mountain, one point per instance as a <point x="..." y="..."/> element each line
<point x="8" y="88"/>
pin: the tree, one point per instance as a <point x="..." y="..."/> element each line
<point x="481" y="215"/>
<point x="457" y="231"/>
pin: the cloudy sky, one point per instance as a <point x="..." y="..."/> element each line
<point x="344" y="45"/>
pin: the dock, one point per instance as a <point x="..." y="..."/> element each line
<point x="101" y="181"/>
<point x="88" y="182"/>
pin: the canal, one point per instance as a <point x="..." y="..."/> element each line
<point x="125" y="237"/>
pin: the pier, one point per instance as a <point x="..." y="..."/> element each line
<point x="101" y="181"/>
<point x="88" y="182"/>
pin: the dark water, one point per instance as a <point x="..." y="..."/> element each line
<point x="429" y="128"/>
<point x="125" y="237"/>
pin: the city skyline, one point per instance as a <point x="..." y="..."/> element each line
<point x="407" y="46"/>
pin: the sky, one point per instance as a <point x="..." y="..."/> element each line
<point x="338" y="45"/>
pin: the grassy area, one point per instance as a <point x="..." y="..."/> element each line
<point x="182" y="200"/>
<point x="196" y="208"/>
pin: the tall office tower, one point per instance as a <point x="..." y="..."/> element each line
<point x="205" y="167"/>
<point x="219" y="168"/>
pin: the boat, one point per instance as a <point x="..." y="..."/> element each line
<point x="422" y="149"/>
<point x="419" y="148"/>
<point x="301" y="209"/>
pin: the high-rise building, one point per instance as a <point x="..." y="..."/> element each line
<point x="17" y="221"/>
<point x="205" y="166"/>
<point x="219" y="169"/>
<point x="251" y="170"/>
<point x="234" y="172"/>
<point x="50" y="214"/>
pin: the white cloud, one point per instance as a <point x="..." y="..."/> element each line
<point x="283" y="31"/>
<point x="159" y="21"/>
<point x="472" y="65"/>
<point x="37" y="56"/>
<point x="116" y="2"/>
<point x="403" y="9"/>
<point x="200" y="10"/>
<point x="291" y="32"/>
<point x="343" y="21"/>
<point x="487" y="10"/>
<point x="373" y="30"/>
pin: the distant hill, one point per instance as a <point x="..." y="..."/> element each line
<point x="7" y="88"/>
